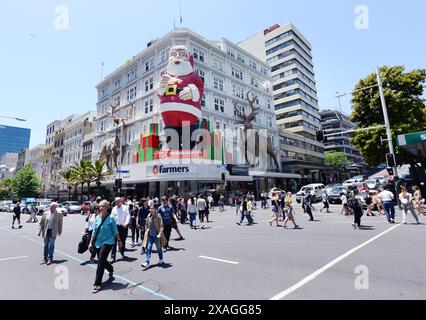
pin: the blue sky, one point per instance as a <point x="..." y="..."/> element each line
<point x="52" y="73"/>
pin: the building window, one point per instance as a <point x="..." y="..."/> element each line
<point x="203" y="100"/>
<point x="163" y="56"/>
<point x="202" y="74"/>
<point x="253" y="65"/>
<point x="117" y="101"/>
<point x="132" y="75"/>
<point x="240" y="58"/>
<point x="264" y="71"/>
<point x="254" y="81"/>
<point x="231" y="53"/>
<point x="117" y="84"/>
<point x="217" y="64"/>
<point x="131" y="93"/>
<point x="219" y="105"/>
<point x="237" y="73"/>
<point x="218" y="83"/>
<point x="198" y="54"/>
<point x="217" y="125"/>
<point x="238" y="91"/>
<point x="149" y="64"/>
<point x="149" y="84"/>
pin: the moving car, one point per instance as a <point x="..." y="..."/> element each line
<point x="318" y="189"/>
<point x="334" y="195"/>
<point x="43" y="205"/>
<point x="72" y="207"/>
<point x="330" y="187"/>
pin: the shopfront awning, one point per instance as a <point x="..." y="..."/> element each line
<point x="257" y="174"/>
<point x="414" y="143"/>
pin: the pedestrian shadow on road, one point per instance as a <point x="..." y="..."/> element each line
<point x="175" y="249"/>
<point x="114" y="286"/>
<point x="59" y="261"/>
<point x="128" y="259"/>
<point x="366" y="228"/>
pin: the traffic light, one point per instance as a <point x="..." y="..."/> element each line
<point x="320" y="136"/>
<point x="390" y="160"/>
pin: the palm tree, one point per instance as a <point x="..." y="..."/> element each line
<point x="84" y="174"/>
<point x="70" y="178"/>
<point x="99" y="174"/>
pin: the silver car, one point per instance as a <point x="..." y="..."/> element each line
<point x="72" y="207"/>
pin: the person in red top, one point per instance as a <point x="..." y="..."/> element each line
<point x="180" y="90"/>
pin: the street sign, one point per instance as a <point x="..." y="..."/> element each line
<point x="123" y="171"/>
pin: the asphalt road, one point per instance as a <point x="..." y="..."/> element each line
<point x="326" y="259"/>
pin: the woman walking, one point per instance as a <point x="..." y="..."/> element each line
<point x="192" y="211"/>
<point x="406" y="200"/>
<point x="417" y="200"/>
<point x="105" y="235"/>
<point x="369" y="203"/>
<point x="90" y="225"/>
<point x="357" y="210"/>
<point x="134" y="213"/>
<point x="153" y="234"/>
<point x="290" y="211"/>
<point x="275" y="209"/>
<point x="182" y="208"/>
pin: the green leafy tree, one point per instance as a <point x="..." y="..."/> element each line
<point x="406" y="109"/>
<point x="26" y="184"/>
<point x="100" y="173"/>
<point x="336" y="159"/>
<point x="6" y="189"/>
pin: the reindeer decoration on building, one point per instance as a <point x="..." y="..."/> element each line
<point x="112" y="148"/>
<point x="248" y="125"/>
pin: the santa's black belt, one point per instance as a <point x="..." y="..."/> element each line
<point x="173" y="90"/>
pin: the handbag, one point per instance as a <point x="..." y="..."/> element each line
<point x="83" y="245"/>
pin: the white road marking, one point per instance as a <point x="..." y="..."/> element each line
<point x="314" y="275"/>
<point x="218" y="227"/>
<point x="364" y="221"/>
<point x="220" y="260"/>
<point x="14" y="258"/>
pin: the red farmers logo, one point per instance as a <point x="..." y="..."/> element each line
<point x="155" y="170"/>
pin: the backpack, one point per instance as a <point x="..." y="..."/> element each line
<point x="353" y="203"/>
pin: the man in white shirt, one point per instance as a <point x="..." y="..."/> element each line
<point x="387" y="198"/>
<point x="122" y="216"/>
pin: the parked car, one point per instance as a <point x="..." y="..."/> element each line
<point x="360" y="178"/>
<point x="5" y="206"/>
<point x="43" y="205"/>
<point x="372" y="183"/>
<point x="329" y="188"/>
<point x="62" y="210"/>
<point x="72" y="207"/>
<point x="334" y="195"/>
<point x="318" y="188"/>
<point x="349" y="183"/>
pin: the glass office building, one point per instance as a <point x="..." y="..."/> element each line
<point x="13" y="139"/>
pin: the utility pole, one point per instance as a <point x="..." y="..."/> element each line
<point x="387" y="124"/>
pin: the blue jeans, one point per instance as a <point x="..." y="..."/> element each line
<point x="246" y="214"/>
<point x="192" y="217"/>
<point x="390" y="210"/>
<point x="49" y="245"/>
<point x="151" y="241"/>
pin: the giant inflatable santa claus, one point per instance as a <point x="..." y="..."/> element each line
<point x="180" y="90"/>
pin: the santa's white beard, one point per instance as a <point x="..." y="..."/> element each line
<point x="182" y="69"/>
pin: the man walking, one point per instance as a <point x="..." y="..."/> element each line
<point x="50" y="227"/>
<point x="122" y="216"/>
<point x="17" y="215"/>
<point x="166" y="211"/>
<point x="307" y="201"/>
<point x="387" y="198"/>
<point x="33" y="214"/>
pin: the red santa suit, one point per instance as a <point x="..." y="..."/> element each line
<point x="176" y="111"/>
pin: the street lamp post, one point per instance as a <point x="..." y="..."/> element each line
<point x="13" y="118"/>
<point x="385" y="113"/>
<point x="387" y="123"/>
